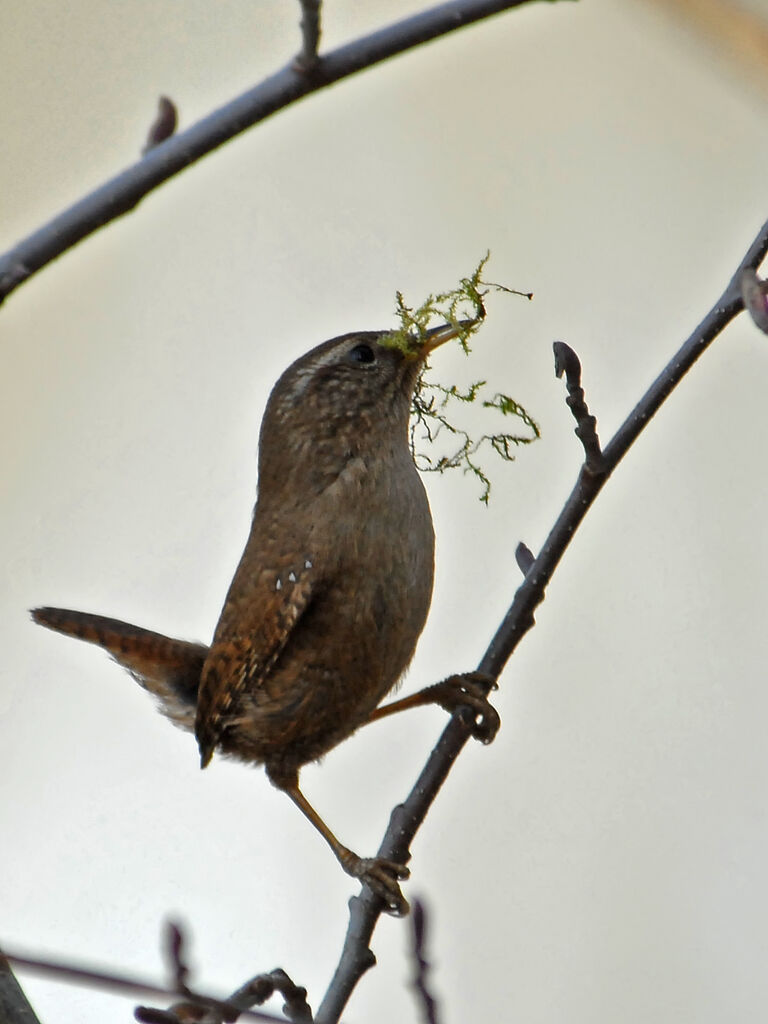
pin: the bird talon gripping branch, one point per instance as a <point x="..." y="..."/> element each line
<point x="382" y="877"/>
<point x="469" y="691"/>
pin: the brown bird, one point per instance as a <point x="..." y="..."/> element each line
<point x="331" y="593"/>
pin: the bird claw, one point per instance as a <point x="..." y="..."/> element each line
<point x="468" y="690"/>
<point x="381" y="876"/>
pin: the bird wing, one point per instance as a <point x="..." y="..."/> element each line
<point x="257" y="620"/>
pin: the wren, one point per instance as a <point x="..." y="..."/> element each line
<point x="331" y="593"/>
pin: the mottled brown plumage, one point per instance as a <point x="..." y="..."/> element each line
<point x="331" y="593"/>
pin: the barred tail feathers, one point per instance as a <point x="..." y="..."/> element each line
<point x="169" y="669"/>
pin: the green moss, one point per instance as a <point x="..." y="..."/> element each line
<point x="463" y="308"/>
<point x="433" y="403"/>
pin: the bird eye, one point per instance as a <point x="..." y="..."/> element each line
<point x="362" y="354"/>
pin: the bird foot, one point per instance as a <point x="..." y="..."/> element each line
<point x="381" y="876"/>
<point x="467" y="690"/>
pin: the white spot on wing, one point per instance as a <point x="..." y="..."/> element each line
<point x="279" y="584"/>
<point x="292" y="577"/>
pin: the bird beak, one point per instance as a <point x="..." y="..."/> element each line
<point x="439" y="335"/>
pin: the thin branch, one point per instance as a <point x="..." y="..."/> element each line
<point x="567" y="362"/>
<point x="264" y="986"/>
<point x="122" y="193"/>
<point x="408" y="816"/>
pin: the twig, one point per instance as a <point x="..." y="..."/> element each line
<point x="306" y="60"/>
<point x="255" y="992"/>
<point x="420" y="984"/>
<point x="263" y="987"/>
<point x="407" y="817"/>
<point x="122" y="193"/>
<point x="174" y="952"/>
<point x="567" y="362"/>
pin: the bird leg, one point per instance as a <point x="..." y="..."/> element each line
<point x="467" y="690"/>
<point x="379" y="874"/>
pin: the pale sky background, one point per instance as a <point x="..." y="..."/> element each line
<point x="605" y="859"/>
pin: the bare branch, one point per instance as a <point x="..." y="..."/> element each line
<point x="408" y="816"/>
<point x="122" y="193"/>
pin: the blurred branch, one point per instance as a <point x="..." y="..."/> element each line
<point x="419" y="919"/>
<point x="296" y="1007"/>
<point x="14" y="1005"/>
<point x="122" y="193"/>
<point x="406" y="819"/>
<point x="255" y="992"/>
<point x="225" y="1009"/>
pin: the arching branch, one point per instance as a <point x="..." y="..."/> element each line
<point x="123" y="192"/>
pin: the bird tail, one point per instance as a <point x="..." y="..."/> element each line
<point x="169" y="669"/>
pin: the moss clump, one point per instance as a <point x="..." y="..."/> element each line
<point x="464" y="309"/>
